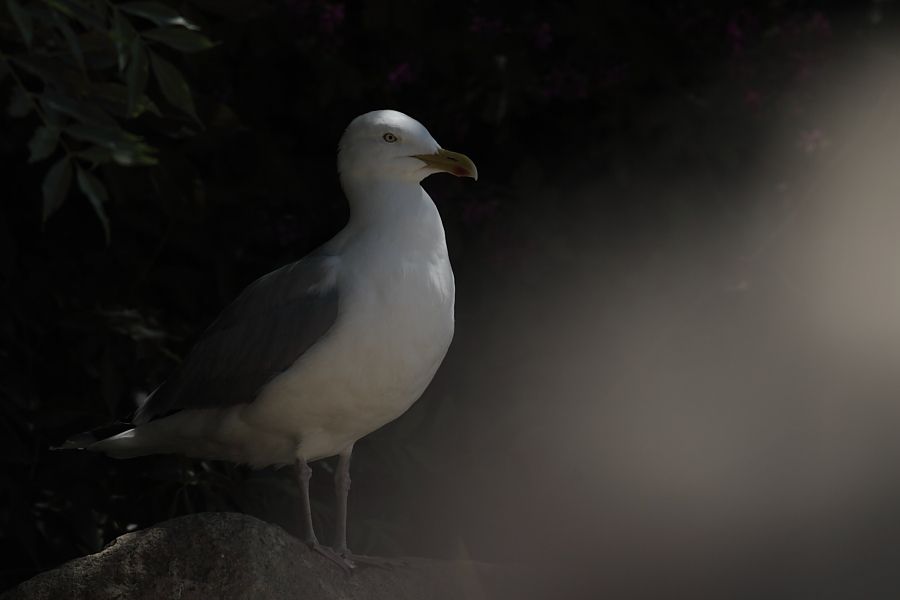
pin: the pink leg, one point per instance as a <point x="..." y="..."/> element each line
<point x="342" y="490"/>
<point x="309" y="533"/>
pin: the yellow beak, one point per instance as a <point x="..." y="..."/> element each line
<point x="451" y="162"/>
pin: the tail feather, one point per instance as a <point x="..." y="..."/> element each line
<point x="88" y="438"/>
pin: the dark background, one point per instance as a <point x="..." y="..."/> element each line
<point x="644" y="393"/>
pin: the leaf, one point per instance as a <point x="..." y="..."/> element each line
<point x="156" y="12"/>
<point x="95" y="155"/>
<point x="108" y="137"/>
<point x="23" y="20"/>
<point x="114" y="96"/>
<point x="173" y="86"/>
<point x="137" y="74"/>
<point x="19" y="103"/>
<point x="180" y="39"/>
<point x="135" y="155"/>
<point x="50" y="70"/>
<point x="75" y="10"/>
<point x="100" y="52"/>
<point x="56" y="186"/>
<point x="125" y="148"/>
<point x="43" y="143"/>
<point x="71" y="39"/>
<point x="122" y="34"/>
<point x="94" y="189"/>
<point x="95" y="41"/>
<point x="84" y="112"/>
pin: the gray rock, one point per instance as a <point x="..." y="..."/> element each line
<point x="230" y="556"/>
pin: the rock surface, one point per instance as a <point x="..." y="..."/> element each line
<point x="230" y="556"/>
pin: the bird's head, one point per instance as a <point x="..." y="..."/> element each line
<point x="389" y="145"/>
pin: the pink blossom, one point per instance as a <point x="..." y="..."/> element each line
<point x="400" y="74"/>
<point x="820" y="25"/>
<point x="543" y="37"/>
<point x="738" y="29"/>
<point x="331" y="17"/>
<point x="813" y="140"/>
<point x="735" y="35"/>
<point x="753" y="98"/>
<point x="565" y="84"/>
<point x="613" y="75"/>
<point x="298" y="7"/>
<point x="486" y="25"/>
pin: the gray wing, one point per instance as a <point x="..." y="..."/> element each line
<point x="271" y="324"/>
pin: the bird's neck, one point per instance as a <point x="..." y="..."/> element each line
<point x="386" y="203"/>
<point x="398" y="215"/>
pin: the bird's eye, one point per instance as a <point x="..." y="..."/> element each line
<point x="389" y="137"/>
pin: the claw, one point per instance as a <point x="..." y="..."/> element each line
<point x="381" y="562"/>
<point x="344" y="562"/>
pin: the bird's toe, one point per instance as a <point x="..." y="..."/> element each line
<point x="344" y="562"/>
<point x="382" y="562"/>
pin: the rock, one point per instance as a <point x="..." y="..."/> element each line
<point x="230" y="556"/>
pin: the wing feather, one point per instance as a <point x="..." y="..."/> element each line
<point x="260" y="334"/>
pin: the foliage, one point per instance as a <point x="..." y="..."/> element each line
<point x="82" y="66"/>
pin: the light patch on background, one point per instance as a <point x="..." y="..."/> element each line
<point x="716" y="405"/>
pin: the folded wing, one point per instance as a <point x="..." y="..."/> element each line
<point x="263" y="332"/>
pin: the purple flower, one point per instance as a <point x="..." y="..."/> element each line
<point x="553" y="84"/>
<point x="813" y="140"/>
<point x="543" y="37"/>
<point x="738" y="29"/>
<point x="735" y="35"/>
<point x="331" y="17"/>
<point x="820" y="25"/>
<point x="565" y="84"/>
<point x="485" y="25"/>
<point x="753" y="99"/>
<point x="613" y="75"/>
<point x="298" y="7"/>
<point x="400" y="74"/>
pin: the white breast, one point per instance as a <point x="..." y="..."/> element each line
<point x="394" y="328"/>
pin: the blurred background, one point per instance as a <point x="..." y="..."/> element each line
<point x="677" y="358"/>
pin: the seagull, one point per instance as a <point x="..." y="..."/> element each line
<point x="317" y="354"/>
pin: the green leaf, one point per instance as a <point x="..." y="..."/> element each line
<point x="122" y="34"/>
<point x="125" y="148"/>
<point x="71" y="8"/>
<point x="136" y="155"/>
<point x="56" y="186"/>
<point x="173" y="86"/>
<point x="23" y="20"/>
<point x="95" y="155"/>
<point x="19" y="103"/>
<point x="98" y="49"/>
<point x="50" y="70"/>
<point x="84" y="112"/>
<point x="43" y="143"/>
<point x="136" y="75"/>
<point x="156" y="12"/>
<point x="179" y="39"/>
<point x="108" y="137"/>
<point x="114" y="96"/>
<point x="71" y="39"/>
<point x="94" y="189"/>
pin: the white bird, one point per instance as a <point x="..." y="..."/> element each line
<point x="321" y="352"/>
